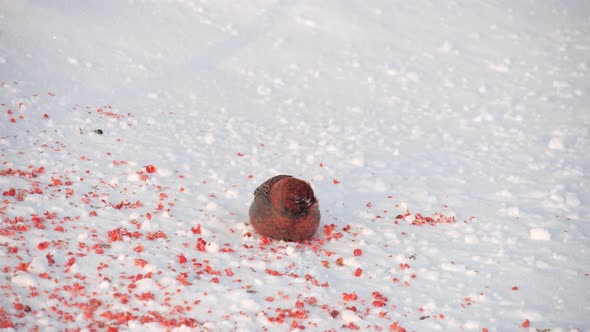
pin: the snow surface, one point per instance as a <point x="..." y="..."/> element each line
<point x="447" y="142"/>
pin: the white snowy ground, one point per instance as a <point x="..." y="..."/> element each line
<point x="447" y="141"/>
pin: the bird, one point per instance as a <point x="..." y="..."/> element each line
<point x="285" y="208"/>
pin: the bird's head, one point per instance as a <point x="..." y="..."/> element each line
<point x="292" y="196"/>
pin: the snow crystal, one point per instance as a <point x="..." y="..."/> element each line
<point x="289" y="250"/>
<point x="114" y="182"/>
<point x="471" y="239"/>
<point x="504" y="194"/>
<point x="145" y="285"/>
<point x="358" y="162"/>
<point x="513" y="211"/>
<point x="572" y="200"/>
<point x="452" y="267"/>
<point x="212" y="247"/>
<point x="446" y="47"/>
<point x="349" y="316"/>
<point x="556" y="143"/>
<point x="308" y="22"/>
<point x="471" y="325"/>
<point x="38" y="265"/>
<point x="432" y="275"/>
<point x="264" y="90"/>
<point x="540" y="234"/>
<point x="72" y="61"/>
<point x="24" y="280"/>
<point x="209" y="326"/>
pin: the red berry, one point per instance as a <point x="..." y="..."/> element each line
<point x="150" y="168"/>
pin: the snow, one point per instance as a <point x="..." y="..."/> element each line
<point x="447" y="143"/>
<point x="540" y="234"/>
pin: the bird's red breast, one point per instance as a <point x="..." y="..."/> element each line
<point x="285" y="208"/>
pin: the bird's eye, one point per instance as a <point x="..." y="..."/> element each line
<point x="303" y="201"/>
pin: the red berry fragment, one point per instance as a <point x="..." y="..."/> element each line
<point x="358" y="272"/>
